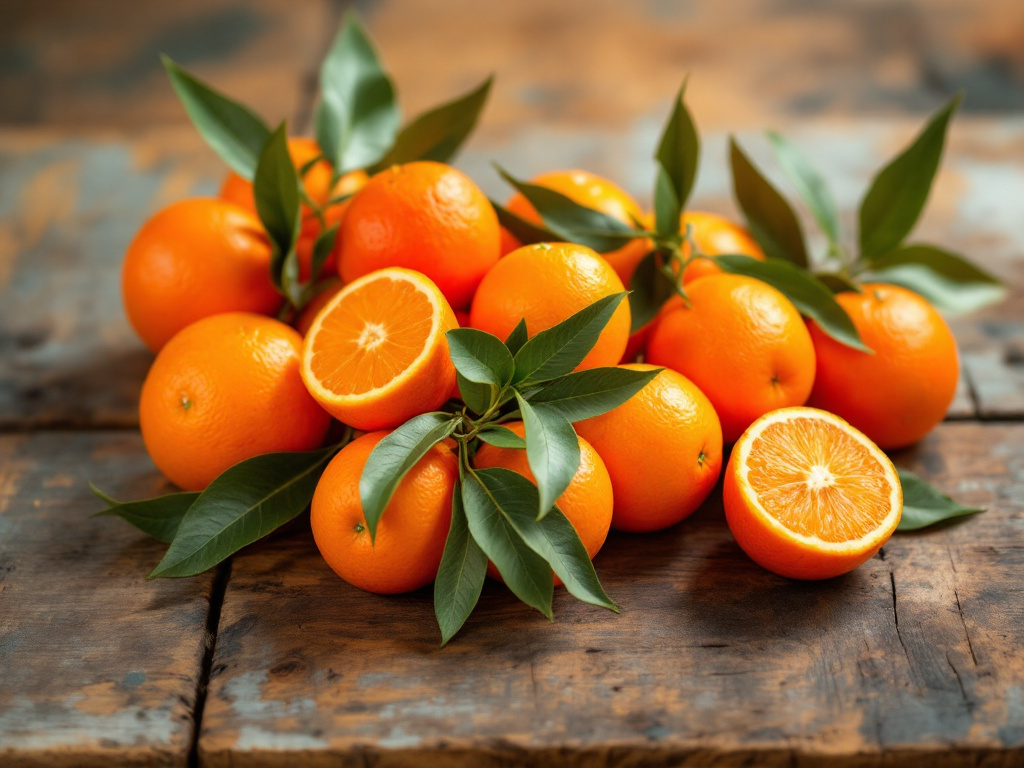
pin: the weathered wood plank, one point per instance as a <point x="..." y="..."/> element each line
<point x="910" y="660"/>
<point x="98" y="666"/>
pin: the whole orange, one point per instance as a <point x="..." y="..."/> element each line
<point x="545" y="284"/>
<point x="898" y="394"/>
<point x="742" y="342"/>
<point x="587" y="502"/>
<point x="425" y="216"/>
<point x="193" y="259"/>
<point x="663" y="451"/>
<point x="411" y="533"/>
<point x="223" y="390"/>
<point x="715" y="235"/>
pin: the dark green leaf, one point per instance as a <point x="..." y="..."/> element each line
<point x="231" y="129"/>
<point x="276" y="190"/>
<point x="809" y="183"/>
<point x="518" y="337"/>
<point x="393" y="457"/>
<point x="649" y="289"/>
<point x="501" y="437"/>
<point x="678" y="155"/>
<point x="557" y="350"/>
<point x="480" y="357"/>
<point x="770" y="217"/>
<point x="479" y="397"/>
<point x="807" y="293"/>
<point x="159" y="517"/>
<point x="837" y="283"/>
<point x="898" y="194"/>
<point x="667" y="210"/>
<point x="322" y="248"/>
<point x="460" y="579"/>
<point x="522" y="230"/>
<point x="242" y="505"/>
<point x="585" y="394"/>
<point x="552" y="451"/>
<point x="925" y="505"/>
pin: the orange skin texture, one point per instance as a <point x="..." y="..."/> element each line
<point x="897" y="395"/>
<point x="587" y="502"/>
<point x="715" y="235"/>
<point x="317" y="183"/>
<point x="223" y="390"/>
<point x="593" y="192"/>
<point x="193" y="259"/>
<point x="545" y="284"/>
<point x="411" y="533"/>
<point x="425" y="216"/>
<point x="308" y="314"/>
<point x="663" y="451"/>
<point x="742" y="342"/>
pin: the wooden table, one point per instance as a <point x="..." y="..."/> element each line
<point x="914" y="659"/>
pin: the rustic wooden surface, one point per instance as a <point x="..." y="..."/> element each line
<point x="911" y="660"/>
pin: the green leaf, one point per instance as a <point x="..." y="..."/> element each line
<point x="585" y="394"/>
<point x="809" y="183"/>
<point x="678" y="156"/>
<point x="925" y="505"/>
<point x="437" y="135"/>
<point x="479" y="397"/>
<point x="242" y="505"/>
<point x="231" y="129"/>
<point x="158" y="517"/>
<point x="649" y="289"/>
<point x="667" y="210"/>
<point x="276" y="190"/>
<point x="572" y="222"/>
<point x="898" y="194"/>
<point x="807" y="293"/>
<point x="552" y="451"/>
<point x="518" y="337"/>
<point x="946" y="279"/>
<point x="837" y="283"/>
<point x="359" y="98"/>
<point x="322" y="248"/>
<point x="480" y="357"/>
<point x="525" y="572"/>
<point x="500" y="437"/>
<point x="770" y="217"/>
<point x="328" y="126"/>
<point x="557" y="350"/>
<point x="460" y="579"/>
<point x="393" y="457"/>
<point x="527" y="233"/>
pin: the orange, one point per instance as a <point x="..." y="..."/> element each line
<point x="663" y="451"/>
<point x="193" y="259"/>
<point x="508" y="242"/>
<point x="898" y="394"/>
<point x="545" y="284"/>
<point x="715" y="235"/>
<point x="411" y="533"/>
<point x="587" y="502"/>
<point x="598" y="193"/>
<point x="304" y="320"/>
<point x="742" y="342"/>
<point x="377" y="355"/>
<point x="425" y="216"/>
<point x="317" y="183"/>
<point x="223" y="390"/>
<point x="808" y="496"/>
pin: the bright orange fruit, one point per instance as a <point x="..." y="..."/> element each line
<point x="715" y="235"/>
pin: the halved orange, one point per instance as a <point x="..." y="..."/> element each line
<point x="376" y="354"/>
<point x="808" y="496"/>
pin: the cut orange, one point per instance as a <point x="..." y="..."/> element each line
<point x="808" y="496"/>
<point x="376" y="354"/>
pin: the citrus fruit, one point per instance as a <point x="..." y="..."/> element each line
<point x="899" y="393"/>
<point x="594" y="192"/>
<point x="715" y="235"/>
<point x="225" y="389"/>
<point x="411" y="533"/>
<point x="425" y="216"/>
<point x="193" y="259"/>
<point x="545" y="284"/>
<point x="304" y="320"/>
<point x="808" y="496"/>
<point x="742" y="342"/>
<point x="587" y="502"/>
<point x="377" y="355"/>
<point x="663" y="451"/>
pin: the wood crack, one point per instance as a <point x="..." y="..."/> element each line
<point x="963" y="623"/>
<point x="896" y="620"/>
<point x="217" y="592"/>
<point x="963" y="692"/>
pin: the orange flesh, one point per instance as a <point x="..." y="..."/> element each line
<point x="818" y="481"/>
<point x="372" y="336"/>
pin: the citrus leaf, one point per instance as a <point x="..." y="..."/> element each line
<point x="807" y="293"/>
<point x="770" y="217"/>
<point x="480" y="356"/>
<point x="667" y="210"/>
<point x="924" y="505"/>
<point x="527" y="233"/>
<point x="649" y="289"/>
<point x="678" y="156"/>
<point x="946" y="279"/>
<point x="231" y="129"/>
<point x="158" y="517"/>
<point x="437" y="135"/>
<point x="525" y="572"/>
<point x="276" y="190"/>
<point x="898" y="193"/>
<point x="501" y="437"/>
<point x="242" y="505"/>
<point x="552" y="451"/>
<point x="479" y="397"/>
<point x="322" y="248"/>
<point x="460" y="578"/>
<point x="393" y="457"/>
<point x="585" y="394"/>
<point x="518" y="337"/>
<point x="809" y="183"/>
<point x="556" y="351"/>
<point x="837" y="283"/>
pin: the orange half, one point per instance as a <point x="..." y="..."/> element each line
<point x="808" y="496"/>
<point x="376" y="354"/>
